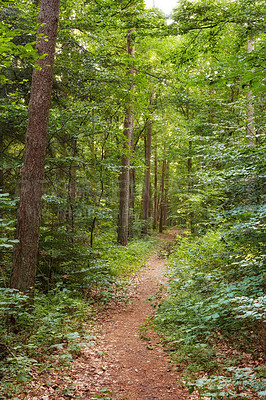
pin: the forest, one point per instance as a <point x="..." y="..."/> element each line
<point x="117" y="124"/>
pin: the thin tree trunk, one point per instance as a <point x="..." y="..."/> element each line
<point x="1" y="181"/>
<point x="24" y="267"/>
<point x="166" y="190"/>
<point x="250" y="114"/>
<point x="93" y="160"/>
<point x="123" y="216"/>
<point x="131" y="201"/>
<point x="131" y="188"/>
<point x="162" y="199"/>
<point x="146" y="195"/>
<point x="1" y="155"/>
<point x="72" y="188"/>
<point x="94" y="221"/>
<point x="155" y="205"/>
<point x="190" y="185"/>
<point x="132" y="175"/>
<point x="251" y="131"/>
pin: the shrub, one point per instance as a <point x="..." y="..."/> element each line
<point x="216" y="290"/>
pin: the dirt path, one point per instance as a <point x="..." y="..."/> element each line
<point x="130" y="367"/>
<point x="127" y="365"/>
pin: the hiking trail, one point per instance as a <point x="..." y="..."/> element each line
<point x="126" y="362"/>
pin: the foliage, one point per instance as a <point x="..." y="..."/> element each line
<point x="30" y="336"/>
<point x="206" y="82"/>
<point x="56" y="328"/>
<point x="217" y="294"/>
<point x="17" y="43"/>
<point x="234" y="387"/>
<point x="106" y="393"/>
<point x="6" y="224"/>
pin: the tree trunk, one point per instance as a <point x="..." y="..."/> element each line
<point x="155" y="205"/>
<point x="72" y="189"/>
<point x="250" y="114"/>
<point x="123" y="216"/>
<point x="165" y="210"/>
<point x="93" y="225"/>
<point x="190" y="185"/>
<point x="132" y="178"/>
<point x="24" y="267"/>
<point x="1" y="155"/>
<point x="162" y="199"/>
<point x="1" y="181"/>
<point x="146" y="195"/>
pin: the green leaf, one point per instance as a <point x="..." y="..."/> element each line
<point x="23" y="377"/>
<point x="191" y="389"/>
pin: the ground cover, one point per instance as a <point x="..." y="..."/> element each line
<point x="51" y="335"/>
<point x="213" y="320"/>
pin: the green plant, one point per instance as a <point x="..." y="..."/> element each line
<point x="235" y="386"/>
<point x="108" y="395"/>
<point x="6" y="225"/>
<point x="216" y="294"/>
<point x="56" y="326"/>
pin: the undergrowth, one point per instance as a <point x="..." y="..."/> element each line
<point x="53" y="332"/>
<point x="213" y="322"/>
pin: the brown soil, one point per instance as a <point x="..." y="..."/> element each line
<point x="128" y="362"/>
<point x="133" y="365"/>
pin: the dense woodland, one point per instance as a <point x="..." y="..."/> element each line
<point x="153" y="123"/>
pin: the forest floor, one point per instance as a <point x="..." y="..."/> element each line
<point x="125" y="361"/>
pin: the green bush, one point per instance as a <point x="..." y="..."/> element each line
<point x="56" y="324"/>
<point x="54" y="329"/>
<point x="216" y="291"/>
<point x="234" y="386"/>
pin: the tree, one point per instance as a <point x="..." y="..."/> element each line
<point x="155" y="196"/>
<point x="123" y="218"/>
<point x="146" y="196"/>
<point x="24" y="267"/>
<point x="163" y="199"/>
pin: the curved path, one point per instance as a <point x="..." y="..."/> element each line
<point x="121" y="364"/>
<point x="132" y="367"/>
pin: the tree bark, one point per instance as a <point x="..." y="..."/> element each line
<point x="155" y="204"/>
<point x="132" y="178"/>
<point x="72" y="189"/>
<point x="166" y="190"/>
<point x="146" y="195"/>
<point x="190" y="184"/>
<point x="1" y="155"/>
<point x="162" y="199"/>
<point x="250" y="114"/>
<point x="24" y="267"/>
<point x="123" y="216"/>
<point x="1" y="181"/>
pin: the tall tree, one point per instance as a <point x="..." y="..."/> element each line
<point x="162" y="200"/>
<point x="24" y="267"/>
<point x="155" y="200"/>
<point x="166" y="190"/>
<point x="123" y="218"/>
<point x="250" y="120"/>
<point x="72" y="188"/>
<point x="146" y="196"/>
